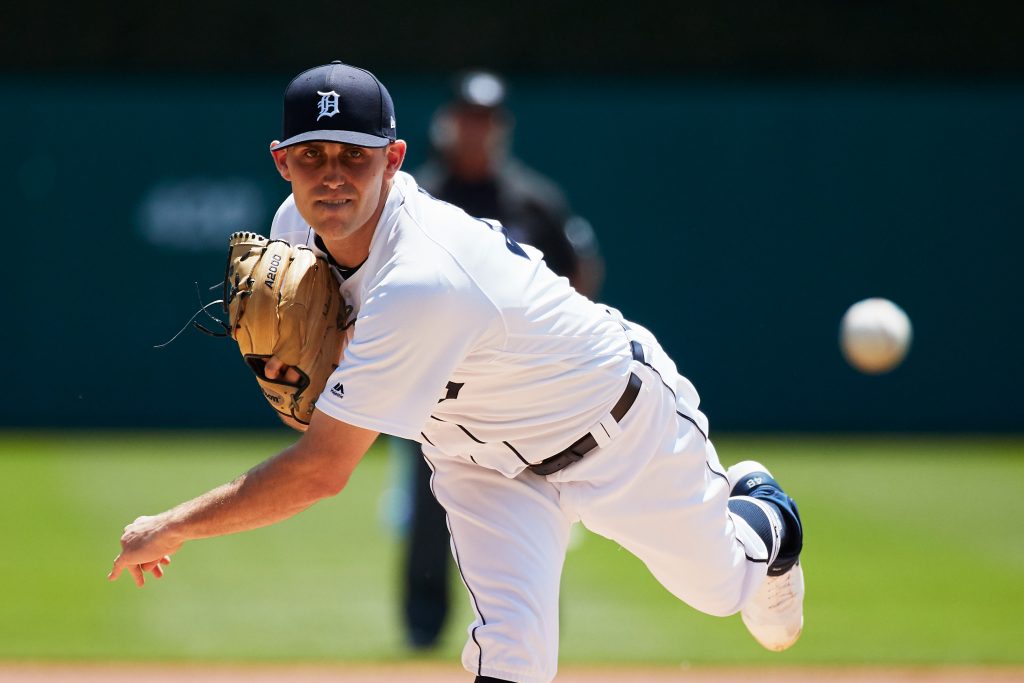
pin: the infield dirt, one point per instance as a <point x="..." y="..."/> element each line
<point x="434" y="673"/>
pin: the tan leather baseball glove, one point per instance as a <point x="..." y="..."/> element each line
<point x="283" y="301"/>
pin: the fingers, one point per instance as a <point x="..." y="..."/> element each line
<point x="138" y="571"/>
<point x="120" y="565"/>
<point x="134" y="569"/>
<point x="146" y="546"/>
<point x="155" y="567"/>
<point x="275" y="369"/>
<point x="115" y="571"/>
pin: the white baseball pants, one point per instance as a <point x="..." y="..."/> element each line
<point x="657" y="489"/>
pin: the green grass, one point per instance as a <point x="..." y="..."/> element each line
<point x="914" y="555"/>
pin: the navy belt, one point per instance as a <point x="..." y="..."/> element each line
<point x="587" y="442"/>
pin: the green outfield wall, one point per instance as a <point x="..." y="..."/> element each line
<point x="738" y="221"/>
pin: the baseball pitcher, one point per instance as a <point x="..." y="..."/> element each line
<point x="536" y="407"/>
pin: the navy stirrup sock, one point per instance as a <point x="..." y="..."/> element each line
<point x="791" y="535"/>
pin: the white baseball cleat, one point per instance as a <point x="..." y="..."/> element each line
<point x="775" y="615"/>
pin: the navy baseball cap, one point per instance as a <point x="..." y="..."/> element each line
<point x="338" y="103"/>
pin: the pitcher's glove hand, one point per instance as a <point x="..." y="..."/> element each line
<point x="283" y="301"/>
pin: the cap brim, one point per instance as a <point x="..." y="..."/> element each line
<point x="346" y="136"/>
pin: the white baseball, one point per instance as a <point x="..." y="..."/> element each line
<point x="875" y="335"/>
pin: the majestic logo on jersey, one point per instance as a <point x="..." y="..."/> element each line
<point x="328" y="105"/>
<point x="338" y="390"/>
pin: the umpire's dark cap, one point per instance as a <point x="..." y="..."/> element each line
<point x="338" y="103"/>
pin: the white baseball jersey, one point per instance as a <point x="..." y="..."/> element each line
<point x="468" y="343"/>
<point x="465" y="340"/>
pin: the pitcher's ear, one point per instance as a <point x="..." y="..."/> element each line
<point x="280" y="160"/>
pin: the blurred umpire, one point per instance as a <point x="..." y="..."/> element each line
<point x="472" y="167"/>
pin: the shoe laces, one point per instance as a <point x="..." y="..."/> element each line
<point x="780" y="591"/>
